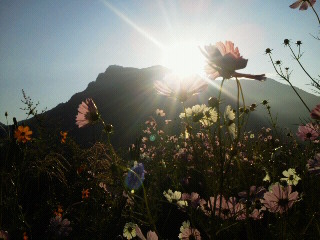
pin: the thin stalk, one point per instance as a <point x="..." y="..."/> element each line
<point x="146" y="201"/>
<point x="286" y="79"/>
<point x="314" y="12"/>
<point x="220" y="154"/>
<point x="299" y="96"/>
<point x="108" y="139"/>
<point x="238" y="109"/>
<point x="297" y="59"/>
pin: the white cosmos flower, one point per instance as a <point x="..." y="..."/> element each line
<point x="182" y="203"/>
<point x="201" y="113"/>
<point x="229" y="114"/>
<point x="172" y="196"/>
<point x="185" y="224"/>
<point x="129" y="230"/>
<point x="210" y="116"/>
<point x="188" y="112"/>
<point x="232" y="130"/>
<point x="196" y="109"/>
<point x="291" y="177"/>
<point x="266" y="178"/>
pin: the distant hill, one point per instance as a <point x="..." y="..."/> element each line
<point x="125" y="98"/>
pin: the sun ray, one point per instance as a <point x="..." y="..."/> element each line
<point x="132" y="24"/>
<point x="216" y="85"/>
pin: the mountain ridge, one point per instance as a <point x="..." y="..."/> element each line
<point x="125" y="97"/>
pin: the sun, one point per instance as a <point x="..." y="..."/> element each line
<point x="183" y="58"/>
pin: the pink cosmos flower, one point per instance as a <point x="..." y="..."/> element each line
<point x="308" y="132"/>
<point x="189" y="86"/>
<point x="226" y="207"/>
<point x="304" y="4"/>
<point x="315" y="113"/>
<point x="256" y="214"/>
<point x="224" y="60"/>
<point x="280" y="199"/>
<point x="190" y="233"/>
<point x="150" y="235"/>
<point x="194" y="199"/>
<point x="313" y="165"/>
<point x="87" y="113"/>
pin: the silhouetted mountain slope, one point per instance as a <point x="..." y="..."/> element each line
<point x="125" y="98"/>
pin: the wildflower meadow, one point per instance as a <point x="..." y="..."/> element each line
<point x="206" y="175"/>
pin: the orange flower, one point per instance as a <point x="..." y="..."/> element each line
<point x="80" y="169"/>
<point x="59" y="211"/>
<point x="25" y="236"/>
<point x="85" y="194"/>
<point x="64" y="136"/>
<point x="23" y="134"/>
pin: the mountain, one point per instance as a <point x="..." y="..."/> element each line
<point x="126" y="98"/>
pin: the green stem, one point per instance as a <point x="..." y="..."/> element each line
<point x="220" y="154"/>
<point x="297" y="59"/>
<point x="108" y="139"/>
<point x="287" y="79"/>
<point x="314" y="12"/>
<point x="146" y="201"/>
<point x="238" y="111"/>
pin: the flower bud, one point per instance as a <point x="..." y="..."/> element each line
<point x="286" y="42"/>
<point x="268" y="51"/>
<point x="109" y="128"/>
<point x="213" y="102"/>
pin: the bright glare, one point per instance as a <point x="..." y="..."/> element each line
<point x="183" y="58"/>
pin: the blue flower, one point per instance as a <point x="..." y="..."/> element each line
<point x="135" y="176"/>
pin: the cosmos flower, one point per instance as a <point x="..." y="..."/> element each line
<point x="266" y="178"/>
<point x="4" y="235"/>
<point x="135" y="177"/>
<point x="85" y="193"/>
<point x="232" y="130"/>
<point x="210" y="116"/>
<point x="229" y="113"/>
<point x="186" y="232"/>
<point x="87" y="113"/>
<point x="280" y="199"/>
<point x="23" y="134"/>
<point x="170" y="195"/>
<point x="194" y="199"/>
<point x="313" y="165"/>
<point x="150" y="235"/>
<point x="129" y="230"/>
<point x="254" y="194"/>
<point x="188" y="86"/>
<point x="291" y="177"/>
<point x="160" y="113"/>
<point x="256" y="214"/>
<point x="304" y="4"/>
<point x="224" y="60"/>
<point x="175" y="197"/>
<point x="226" y="207"/>
<point x="315" y="113"/>
<point x="64" y="136"/>
<point x="59" y="211"/>
<point x="60" y="227"/>
<point x="308" y="132"/>
<point x="229" y="116"/>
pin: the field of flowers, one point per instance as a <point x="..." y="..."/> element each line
<point x="216" y="179"/>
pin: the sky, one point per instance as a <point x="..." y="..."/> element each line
<point x="53" y="49"/>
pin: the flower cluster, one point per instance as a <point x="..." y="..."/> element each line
<point x="201" y="113"/>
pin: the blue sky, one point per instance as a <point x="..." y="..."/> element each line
<point x="53" y="49"/>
